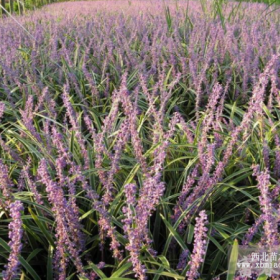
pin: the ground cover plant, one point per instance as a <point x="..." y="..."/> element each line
<point x="138" y="140"/>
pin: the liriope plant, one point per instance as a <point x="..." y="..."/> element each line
<point x="137" y="145"/>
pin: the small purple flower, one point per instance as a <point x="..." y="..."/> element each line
<point x="5" y="182"/>
<point x="2" y="109"/>
<point x="15" y="235"/>
<point x="199" y="249"/>
<point x="130" y="192"/>
<point x="270" y="224"/>
<point x="183" y="259"/>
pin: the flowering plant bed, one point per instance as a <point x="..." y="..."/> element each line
<point x="138" y="139"/>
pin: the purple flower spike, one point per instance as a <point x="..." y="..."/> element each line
<point x="2" y="109"/>
<point x="15" y="235"/>
<point x="199" y="249"/>
<point x="270" y="224"/>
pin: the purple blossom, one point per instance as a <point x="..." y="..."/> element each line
<point x="270" y="224"/>
<point x="65" y="231"/>
<point x="183" y="259"/>
<point x="27" y="118"/>
<point x="15" y="235"/>
<point x="199" y="249"/>
<point x="31" y="183"/>
<point x="123" y="137"/>
<point x="252" y="231"/>
<point x="2" y="109"/>
<point x="5" y="183"/>
<point x="130" y="192"/>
